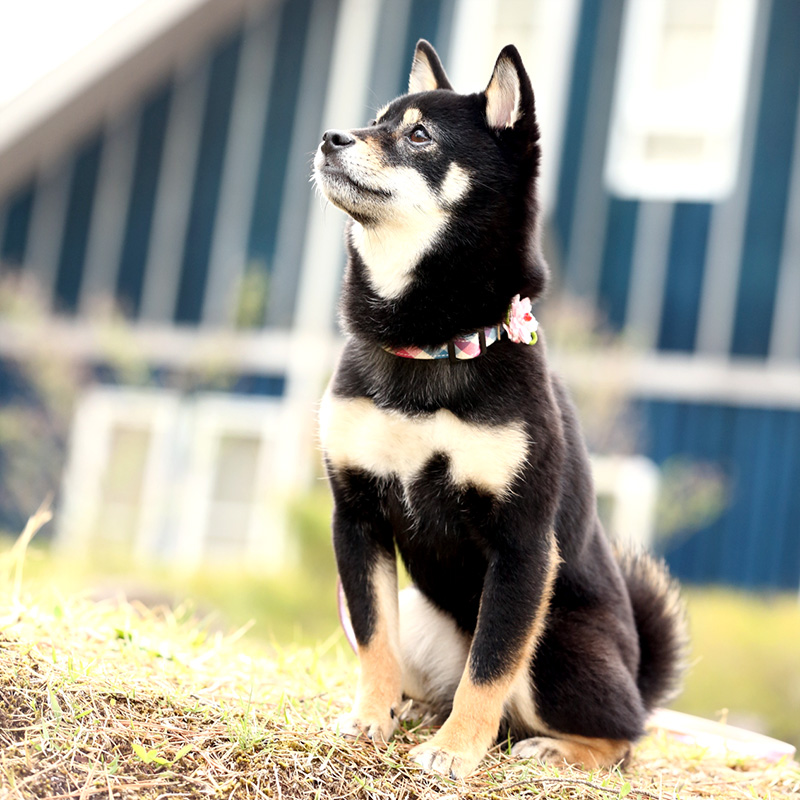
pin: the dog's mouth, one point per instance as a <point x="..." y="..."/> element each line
<point x="336" y="175"/>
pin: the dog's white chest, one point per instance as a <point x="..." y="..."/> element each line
<point x="356" y="433"/>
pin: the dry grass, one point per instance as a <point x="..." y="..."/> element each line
<point x="113" y="700"/>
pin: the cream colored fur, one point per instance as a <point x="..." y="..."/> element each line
<point x="392" y="247"/>
<point x="356" y="433"/>
<point x="422" y="78"/>
<point x="433" y="650"/>
<point x="503" y="96"/>
<point x="380" y="679"/>
<point x="411" y="116"/>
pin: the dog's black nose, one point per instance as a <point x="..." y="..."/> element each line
<point x="336" y="140"/>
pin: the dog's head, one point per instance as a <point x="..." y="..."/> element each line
<point x="441" y="186"/>
<point x="428" y="149"/>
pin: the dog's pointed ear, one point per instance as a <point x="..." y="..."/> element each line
<point x="427" y="72"/>
<point x="509" y="95"/>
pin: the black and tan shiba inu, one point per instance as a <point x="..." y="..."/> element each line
<point x="447" y="439"/>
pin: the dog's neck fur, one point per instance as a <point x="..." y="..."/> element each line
<point x="444" y="294"/>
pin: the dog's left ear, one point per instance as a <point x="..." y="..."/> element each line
<point x="509" y="95"/>
<point x="427" y="72"/>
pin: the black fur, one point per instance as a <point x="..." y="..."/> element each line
<point x="612" y="643"/>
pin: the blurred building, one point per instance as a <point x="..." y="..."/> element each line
<point x="164" y="172"/>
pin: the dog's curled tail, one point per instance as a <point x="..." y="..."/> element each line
<point x="660" y="617"/>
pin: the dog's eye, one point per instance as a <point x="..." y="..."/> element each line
<point x="419" y="135"/>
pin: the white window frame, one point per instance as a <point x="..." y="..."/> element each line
<point x="712" y="110"/>
<point x="98" y="412"/>
<point x="179" y="473"/>
<point x="632" y="484"/>
<point x="215" y="416"/>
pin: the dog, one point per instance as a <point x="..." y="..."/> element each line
<point x="447" y="439"/>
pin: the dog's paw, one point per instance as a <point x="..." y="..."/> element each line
<point x="370" y="726"/>
<point x="588" y="753"/>
<point x="542" y="748"/>
<point x="434" y="757"/>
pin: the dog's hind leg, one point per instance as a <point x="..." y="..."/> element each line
<point x="586" y="752"/>
<point x="434" y="653"/>
<point x="588" y="705"/>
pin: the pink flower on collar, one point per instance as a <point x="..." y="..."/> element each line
<point x="520" y="324"/>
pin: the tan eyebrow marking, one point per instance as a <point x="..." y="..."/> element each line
<point x="411" y="116"/>
<point x="455" y="185"/>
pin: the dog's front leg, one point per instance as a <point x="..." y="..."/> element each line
<point x="514" y="604"/>
<point x="364" y="547"/>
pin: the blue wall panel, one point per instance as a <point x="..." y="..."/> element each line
<point x="747" y="501"/>
<point x="698" y="433"/>
<point x="755" y="541"/>
<point x="770" y="176"/>
<point x="785" y="561"/>
<point x="424" y="23"/>
<point x="15" y="227"/>
<point x="76" y="225"/>
<point x="615" y="272"/>
<point x="685" y="263"/>
<point x="575" y="123"/>
<point x="141" y="205"/>
<point x="707" y="438"/>
<point x="211" y="156"/>
<point x="278" y="130"/>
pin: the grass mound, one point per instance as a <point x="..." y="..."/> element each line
<point x="112" y="700"/>
<point x="115" y="700"/>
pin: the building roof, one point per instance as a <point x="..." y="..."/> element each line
<point x="158" y="37"/>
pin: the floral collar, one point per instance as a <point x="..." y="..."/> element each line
<point x="520" y="325"/>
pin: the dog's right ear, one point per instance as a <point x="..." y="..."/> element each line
<point x="509" y="96"/>
<point x="427" y="72"/>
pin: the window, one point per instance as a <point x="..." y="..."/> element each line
<point x="115" y="482"/>
<point x="121" y="486"/>
<point x="154" y="475"/>
<point x="679" y="98"/>
<point x="228" y="513"/>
